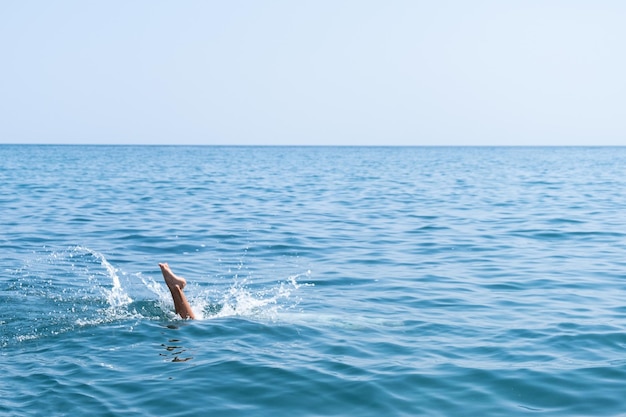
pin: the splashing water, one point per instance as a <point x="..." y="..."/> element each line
<point x="79" y="287"/>
<point x="116" y="296"/>
<point x="240" y="300"/>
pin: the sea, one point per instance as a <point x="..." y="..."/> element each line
<point x="326" y="281"/>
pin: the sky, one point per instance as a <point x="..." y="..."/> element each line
<point x="300" y="72"/>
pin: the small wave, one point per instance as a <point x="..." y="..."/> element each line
<point x="555" y="234"/>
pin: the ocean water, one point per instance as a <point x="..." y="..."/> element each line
<point x="327" y="281"/>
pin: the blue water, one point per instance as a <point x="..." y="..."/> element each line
<point x="328" y="281"/>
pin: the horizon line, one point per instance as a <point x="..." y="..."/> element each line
<point x="308" y="145"/>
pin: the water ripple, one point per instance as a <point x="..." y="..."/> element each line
<point x="329" y="281"/>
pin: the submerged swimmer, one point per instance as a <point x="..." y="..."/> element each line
<point x="176" y="285"/>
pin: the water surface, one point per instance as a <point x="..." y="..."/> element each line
<point x="329" y="281"/>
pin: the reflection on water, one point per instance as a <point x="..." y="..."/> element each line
<point x="174" y="351"/>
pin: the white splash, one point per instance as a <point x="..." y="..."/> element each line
<point x="116" y="296"/>
<point x="240" y="300"/>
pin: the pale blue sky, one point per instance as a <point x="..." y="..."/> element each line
<point x="321" y="72"/>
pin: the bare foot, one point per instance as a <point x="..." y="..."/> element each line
<point x="171" y="279"/>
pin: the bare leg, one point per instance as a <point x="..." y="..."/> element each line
<point x="176" y="285"/>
